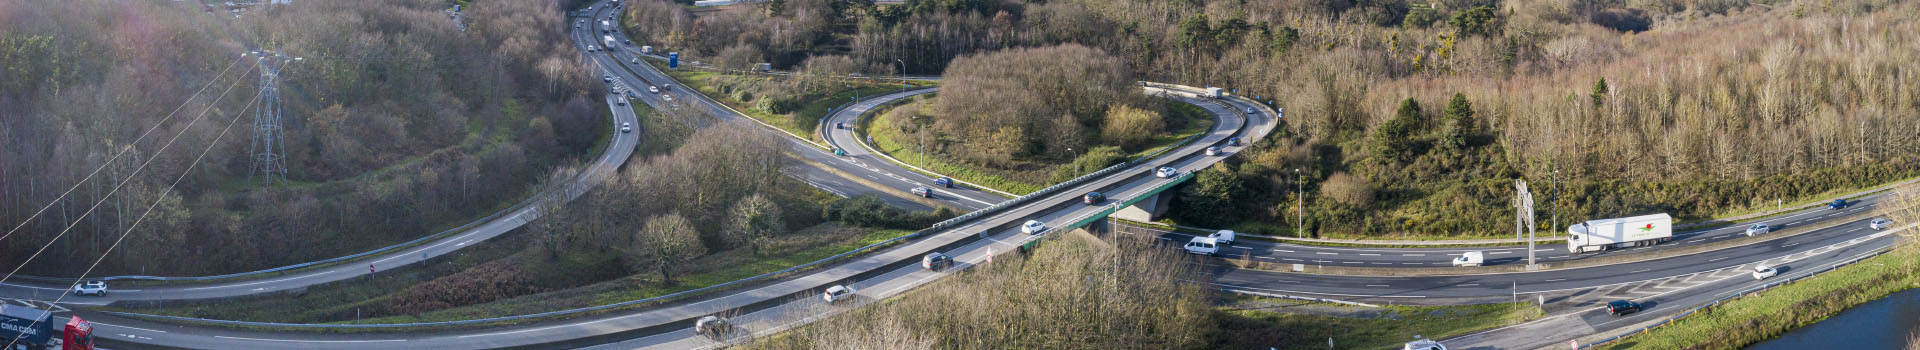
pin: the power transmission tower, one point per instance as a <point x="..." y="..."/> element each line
<point x="268" y="151"/>
<point x="1523" y="217"/>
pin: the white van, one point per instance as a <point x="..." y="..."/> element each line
<point x="1424" y="344"/>
<point x="1203" y="245"/>
<point x="1473" y="258"/>
<point x="1224" y="236"/>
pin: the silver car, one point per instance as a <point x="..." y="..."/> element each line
<point x="1880" y="223"/>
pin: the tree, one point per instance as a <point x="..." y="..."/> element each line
<point x="753" y="222"/>
<point x="1212" y="196"/>
<point x="1459" y="123"/>
<point x="665" y="243"/>
<point x="1599" y="94"/>
<point x="1480" y="20"/>
<point x="1393" y="140"/>
<point x="1195" y="32"/>
<point x="1129" y="127"/>
<point x="1348" y="189"/>
<point x="1283" y="40"/>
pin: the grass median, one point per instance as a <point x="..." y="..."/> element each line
<point x="1258" y="323"/>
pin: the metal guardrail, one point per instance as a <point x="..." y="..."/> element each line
<point x="1741" y="293"/>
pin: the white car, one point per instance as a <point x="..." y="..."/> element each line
<point x="94" y="288"/>
<point x="1165" y="172"/>
<point x="712" y="326"/>
<point x="1033" y="227"/>
<point x="1880" y="223"/>
<point x="1761" y="272"/>
<point x="1203" y="246"/>
<point x="1213" y="151"/>
<point x="653" y="89"/>
<point x="1249" y="110"/>
<point x="1759" y="229"/>
<point x="626" y="128"/>
<point x="837" y="293"/>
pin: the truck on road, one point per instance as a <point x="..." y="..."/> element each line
<point x="1213" y="92"/>
<point x="610" y="42"/>
<point x="1603" y="234"/>
<point x="606" y="26"/>
<point x="32" y="329"/>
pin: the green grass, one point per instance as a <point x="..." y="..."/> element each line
<point x="1765" y="315"/>
<point x="904" y="148"/>
<point x="1192" y="120"/>
<point x="1252" y="322"/>
<point x="800" y="123"/>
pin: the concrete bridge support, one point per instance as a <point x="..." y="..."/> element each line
<point x="1147" y="210"/>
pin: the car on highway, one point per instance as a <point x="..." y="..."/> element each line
<point x="636" y="60"/>
<point x="590" y="48"/>
<point x="1759" y="229"/>
<point x="839" y="152"/>
<point x="1761" y="272"/>
<point x="1249" y="110"/>
<point x="1213" y="150"/>
<point x="1165" y="172"/>
<point x="1033" y="227"/>
<point x="1423" y="344"/>
<point x="837" y="293"/>
<point x="1233" y="141"/>
<point x="621" y="102"/>
<point x="629" y="41"/>
<point x="712" y="327"/>
<point x="1837" y="204"/>
<point x="1093" y="197"/>
<point x="1622" y="307"/>
<point x="94" y="288"/>
<point x="943" y="182"/>
<point x="1879" y="223"/>
<point x="923" y="191"/>
<point x="606" y="78"/>
<point x="666" y="87"/>
<point x="840" y="125"/>
<point x="1473" y="258"/>
<point x="626" y="128"/>
<point x="936" y="261"/>
<point x="1203" y="246"/>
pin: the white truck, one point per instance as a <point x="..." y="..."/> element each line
<point x="1473" y="258"/>
<point x="610" y="42"/>
<point x="646" y="50"/>
<point x="1603" y="234"/>
<point x="1203" y="246"/>
<point x="606" y="26"/>
<point x="1223" y="236"/>
<point x="1213" y="92"/>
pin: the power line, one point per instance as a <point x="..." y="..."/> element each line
<point x="129" y="147"/>
<point x="143" y="215"/>
<point x="269" y="150"/>
<point x="123" y="183"/>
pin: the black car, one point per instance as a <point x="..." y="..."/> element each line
<point x="1622" y="307"/>
<point x="1094" y="197"/>
<point x="943" y="182"/>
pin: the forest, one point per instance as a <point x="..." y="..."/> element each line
<point x="1416" y="117"/>
<point x="397" y="124"/>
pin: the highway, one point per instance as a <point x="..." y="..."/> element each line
<point x="1665" y="285"/>
<point x="1505" y="255"/>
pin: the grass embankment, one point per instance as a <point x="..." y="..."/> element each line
<point x="1764" y="315"/>
<point x="890" y="138"/>
<point x="746" y="92"/>
<point x="1259" y="323"/>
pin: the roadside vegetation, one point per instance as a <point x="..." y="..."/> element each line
<point x="794" y="103"/>
<point x="1412" y="118"/>
<point x="1261" y="323"/>
<point x="644" y="234"/>
<point x="396" y="125"/>
<point x="1767" y="314"/>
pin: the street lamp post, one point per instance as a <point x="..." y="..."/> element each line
<point x="1556" y="199"/>
<point x="1300" y="204"/>
<point x="922" y="130"/>
<point x="902" y="74"/>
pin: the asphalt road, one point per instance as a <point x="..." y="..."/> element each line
<point x="1288" y="253"/>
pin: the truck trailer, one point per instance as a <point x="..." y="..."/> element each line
<point x="610" y="42"/>
<point x="32" y="329"/>
<point x="1603" y="234"/>
<point x="606" y="26"/>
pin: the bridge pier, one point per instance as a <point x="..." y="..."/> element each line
<point x="1147" y="210"/>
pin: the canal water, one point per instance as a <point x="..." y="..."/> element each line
<point x="1878" y="324"/>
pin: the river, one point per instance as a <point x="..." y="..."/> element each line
<point x="1878" y="324"/>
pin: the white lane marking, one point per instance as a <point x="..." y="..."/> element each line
<point x="1370" y="254"/>
<point x="1717" y="259"/>
<point x="253" y="283"/>
<point x="1289" y="259"/>
<point x="1798" y="243"/>
<point x="1283" y="250"/>
<point x="1642" y="270"/>
<point x="1326" y="253"/>
<point x="1413" y="255"/>
<point x="1556" y="280"/>
<point x="1376" y="285"/>
<point x="120" y="326"/>
<point x="1697" y="240"/>
<point x="1382" y="263"/>
<point x="1410" y="263"/>
<point x="315" y="341"/>
<point x="1468" y="285"/>
<point x="1492" y="253"/>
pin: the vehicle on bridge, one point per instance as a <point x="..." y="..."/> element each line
<point x="1759" y="229"/>
<point x="1761" y="272"/>
<point x="1213" y="92"/>
<point x="1603" y="234"/>
<point x="1033" y="227"/>
<point x="1092" y="198"/>
<point x="32" y="329"/>
<point x="1165" y="172"/>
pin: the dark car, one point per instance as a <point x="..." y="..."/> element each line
<point x="943" y="182"/>
<point x="1837" y="204"/>
<point x="923" y="191"/>
<point x="840" y="125"/>
<point x="1622" y="307"/>
<point x="1093" y="197"/>
<point x="936" y="261"/>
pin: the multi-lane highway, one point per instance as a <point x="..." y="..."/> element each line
<point x="1665" y="284"/>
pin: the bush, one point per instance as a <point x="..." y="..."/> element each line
<point x="484" y="283"/>
<point x="869" y="210"/>
<point x="1096" y="159"/>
